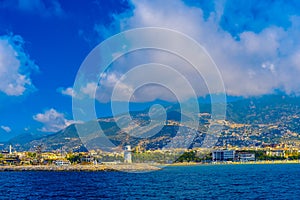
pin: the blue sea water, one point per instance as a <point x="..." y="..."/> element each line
<point x="275" y="181"/>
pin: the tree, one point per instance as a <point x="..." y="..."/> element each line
<point x="189" y="156"/>
<point x="74" y="158"/>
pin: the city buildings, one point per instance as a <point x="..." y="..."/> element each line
<point x="223" y="155"/>
<point x="276" y="152"/>
<point x="62" y="163"/>
<point x="246" y="157"/>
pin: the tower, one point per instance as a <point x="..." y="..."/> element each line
<point x="127" y="154"/>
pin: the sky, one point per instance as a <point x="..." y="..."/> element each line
<point x="255" y="45"/>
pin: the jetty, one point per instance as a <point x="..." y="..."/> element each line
<point x="139" y="167"/>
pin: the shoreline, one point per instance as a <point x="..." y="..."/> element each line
<point x="237" y="163"/>
<point x="82" y="168"/>
<point x="135" y="167"/>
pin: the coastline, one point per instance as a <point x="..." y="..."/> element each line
<point x="82" y="168"/>
<point x="135" y="167"/>
<point x="237" y="163"/>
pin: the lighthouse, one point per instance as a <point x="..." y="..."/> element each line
<point x="127" y="154"/>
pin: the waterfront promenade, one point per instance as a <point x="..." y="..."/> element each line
<point x="238" y="163"/>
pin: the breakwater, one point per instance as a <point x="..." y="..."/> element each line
<point x="93" y="168"/>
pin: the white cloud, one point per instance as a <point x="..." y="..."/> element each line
<point x="89" y="89"/>
<point x="52" y="120"/>
<point x="6" y="128"/>
<point x="109" y="82"/>
<point x="257" y="63"/>
<point x="15" y="66"/>
<point x="109" y="79"/>
<point x="68" y="91"/>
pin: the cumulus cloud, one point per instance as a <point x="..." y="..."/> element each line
<point x="15" y="66"/>
<point x="52" y="120"/>
<point x="6" y="128"/>
<point x="89" y="89"/>
<point x="67" y="91"/>
<point x="110" y="81"/>
<point x="252" y="60"/>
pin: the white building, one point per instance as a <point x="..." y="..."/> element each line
<point x="223" y="155"/>
<point x="62" y="163"/>
<point x="245" y="157"/>
<point x="127" y="154"/>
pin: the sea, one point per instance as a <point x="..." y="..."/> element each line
<point x="257" y="181"/>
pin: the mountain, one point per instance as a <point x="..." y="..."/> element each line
<point x="249" y="122"/>
<point x="26" y="137"/>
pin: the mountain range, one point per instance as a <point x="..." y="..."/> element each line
<point x="249" y="122"/>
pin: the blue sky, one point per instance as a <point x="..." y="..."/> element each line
<point x="255" y="44"/>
